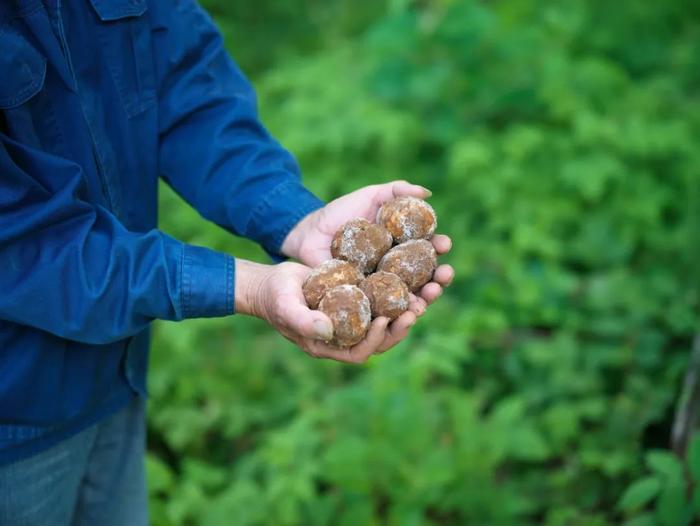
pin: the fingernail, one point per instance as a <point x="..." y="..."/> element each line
<point x="428" y="192"/>
<point x="323" y="330"/>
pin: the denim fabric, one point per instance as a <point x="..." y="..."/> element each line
<point x="98" y="99"/>
<point x="94" y="478"/>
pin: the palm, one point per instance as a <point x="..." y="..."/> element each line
<point x="315" y="248"/>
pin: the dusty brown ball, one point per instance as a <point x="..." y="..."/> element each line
<point x="361" y="243"/>
<point x="387" y="294"/>
<point x="407" y="218"/>
<point x="413" y="261"/>
<point x="349" y="310"/>
<point x="330" y="274"/>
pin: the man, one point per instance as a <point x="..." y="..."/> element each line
<point x="97" y="99"/>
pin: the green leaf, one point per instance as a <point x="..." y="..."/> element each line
<point x="666" y="464"/>
<point x="527" y="443"/>
<point x="346" y="463"/>
<point x="694" y="458"/>
<point x="672" y="508"/>
<point x="646" y="519"/>
<point x="158" y="474"/>
<point x="207" y="475"/>
<point x="639" y="494"/>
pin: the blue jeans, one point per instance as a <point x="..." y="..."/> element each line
<point x="96" y="477"/>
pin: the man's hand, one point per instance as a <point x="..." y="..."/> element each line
<point x="273" y="293"/>
<point x="310" y="240"/>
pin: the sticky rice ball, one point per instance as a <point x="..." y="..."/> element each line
<point x="413" y="261"/>
<point x="361" y="243"/>
<point x="349" y="310"/>
<point x="330" y="274"/>
<point x="388" y="295"/>
<point x="407" y="218"/>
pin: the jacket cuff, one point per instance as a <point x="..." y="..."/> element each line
<point x="279" y="212"/>
<point x="207" y="281"/>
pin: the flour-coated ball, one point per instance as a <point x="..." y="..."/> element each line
<point x="407" y="218"/>
<point x="349" y="310"/>
<point x="413" y="261"/>
<point x="361" y="243"/>
<point x="388" y="295"/>
<point x="327" y="275"/>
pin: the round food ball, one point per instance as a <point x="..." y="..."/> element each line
<point x="407" y="218"/>
<point x="413" y="261"/>
<point x="361" y="243"/>
<point x="330" y="274"/>
<point x="387" y="294"/>
<point x="349" y="310"/>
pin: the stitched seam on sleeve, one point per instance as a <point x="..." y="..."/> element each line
<point x="186" y="283"/>
<point x="229" y="285"/>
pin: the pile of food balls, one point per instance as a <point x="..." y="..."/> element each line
<point x="375" y="267"/>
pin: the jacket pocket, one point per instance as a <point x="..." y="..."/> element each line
<point x="125" y="39"/>
<point x="22" y="68"/>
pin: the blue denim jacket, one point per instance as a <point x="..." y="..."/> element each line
<point x="98" y="98"/>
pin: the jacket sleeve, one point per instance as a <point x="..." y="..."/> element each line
<point x="71" y="268"/>
<point x="214" y="151"/>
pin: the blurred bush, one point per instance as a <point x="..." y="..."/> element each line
<point x="562" y="143"/>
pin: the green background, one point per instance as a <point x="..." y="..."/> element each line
<point x="562" y="144"/>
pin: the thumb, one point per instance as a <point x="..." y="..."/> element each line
<point x="388" y="191"/>
<point x="308" y="323"/>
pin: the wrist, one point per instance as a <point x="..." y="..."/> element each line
<point x="250" y="281"/>
<point x="292" y="244"/>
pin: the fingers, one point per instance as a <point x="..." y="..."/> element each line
<point x="404" y="188"/>
<point x="441" y="243"/>
<point x="303" y="321"/>
<point x="381" y="337"/>
<point x="372" y="341"/>
<point x="444" y="275"/>
<point x="431" y="292"/>
<point x="397" y="331"/>
<point x="388" y="191"/>
<point x="416" y="305"/>
<point x="357" y="354"/>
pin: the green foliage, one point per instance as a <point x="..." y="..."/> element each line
<point x="561" y="141"/>
<point x="671" y="491"/>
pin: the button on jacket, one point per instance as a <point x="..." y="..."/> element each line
<point x="99" y="98"/>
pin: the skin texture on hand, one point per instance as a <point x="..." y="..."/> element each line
<point x="273" y="293"/>
<point x="310" y="241"/>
